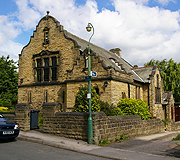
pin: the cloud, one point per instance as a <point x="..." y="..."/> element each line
<point x="11" y="48"/>
<point x="165" y="2"/>
<point x="8" y="29"/>
<point x="142" y="32"/>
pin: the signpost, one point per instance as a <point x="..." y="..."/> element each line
<point x="93" y="74"/>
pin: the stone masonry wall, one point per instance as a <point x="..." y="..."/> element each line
<point x="74" y="125"/>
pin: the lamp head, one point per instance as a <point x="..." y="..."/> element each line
<point x="105" y="84"/>
<point x="88" y="28"/>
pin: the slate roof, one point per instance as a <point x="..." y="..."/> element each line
<point x="144" y="72"/>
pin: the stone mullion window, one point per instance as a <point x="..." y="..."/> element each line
<point x="45" y="67"/>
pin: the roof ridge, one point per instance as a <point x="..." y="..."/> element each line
<point x="142" y="67"/>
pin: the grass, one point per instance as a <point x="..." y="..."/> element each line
<point x="122" y="137"/>
<point x="103" y="142"/>
<point x="177" y="138"/>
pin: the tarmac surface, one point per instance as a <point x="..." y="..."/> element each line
<point x="156" y="146"/>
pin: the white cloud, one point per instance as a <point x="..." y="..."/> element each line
<point x="8" y="29"/>
<point x="11" y="48"/>
<point x="165" y="2"/>
<point x="141" y="32"/>
<point x="27" y="15"/>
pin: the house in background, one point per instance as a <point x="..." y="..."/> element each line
<point x="53" y="65"/>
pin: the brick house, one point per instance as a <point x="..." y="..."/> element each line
<point x="53" y="65"/>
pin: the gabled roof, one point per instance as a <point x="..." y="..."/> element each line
<point x="144" y="72"/>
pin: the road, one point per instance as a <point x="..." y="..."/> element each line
<point x="164" y="148"/>
<point x="23" y="150"/>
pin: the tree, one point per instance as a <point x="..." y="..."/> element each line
<point x="8" y="81"/>
<point x="170" y="73"/>
<point x="81" y="102"/>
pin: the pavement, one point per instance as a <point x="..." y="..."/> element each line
<point x="80" y="146"/>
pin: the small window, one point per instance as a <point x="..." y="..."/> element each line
<point x="123" y="95"/>
<point x="63" y="96"/>
<point x="46" y="96"/>
<point x="54" y="72"/>
<point x="46" y="62"/>
<point x="29" y="96"/>
<point x="38" y="62"/>
<point x="97" y="90"/>
<point x="39" y="75"/>
<point x="46" y="74"/>
<point x="157" y="80"/>
<point x="54" y="61"/>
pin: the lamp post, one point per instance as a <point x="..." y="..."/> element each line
<point x="90" y="123"/>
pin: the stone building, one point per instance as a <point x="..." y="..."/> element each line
<point x="53" y="65"/>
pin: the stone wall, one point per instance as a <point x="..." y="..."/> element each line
<point x="74" y="125"/>
<point x="172" y="126"/>
<point x="112" y="127"/>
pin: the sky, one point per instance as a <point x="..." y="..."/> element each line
<point x="142" y="29"/>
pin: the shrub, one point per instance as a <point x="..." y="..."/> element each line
<point x="81" y="101"/>
<point x="106" y="107"/>
<point x="133" y="106"/>
<point x="3" y="109"/>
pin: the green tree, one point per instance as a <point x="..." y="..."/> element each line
<point x="81" y="101"/>
<point x="170" y="73"/>
<point x="8" y="81"/>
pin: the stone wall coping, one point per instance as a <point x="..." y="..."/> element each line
<point x="22" y="104"/>
<point x="50" y="104"/>
<point x="72" y="113"/>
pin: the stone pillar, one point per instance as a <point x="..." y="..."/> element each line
<point x="49" y="109"/>
<point x="22" y="116"/>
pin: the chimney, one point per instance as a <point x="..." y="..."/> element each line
<point x="117" y="51"/>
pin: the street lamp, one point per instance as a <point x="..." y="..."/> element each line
<point x="90" y="123"/>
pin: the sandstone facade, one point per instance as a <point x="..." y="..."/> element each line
<point x="53" y="65"/>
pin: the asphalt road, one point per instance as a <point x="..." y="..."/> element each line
<point x="22" y="150"/>
<point x="165" y="148"/>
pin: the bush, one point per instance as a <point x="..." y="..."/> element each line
<point x="133" y="106"/>
<point x="106" y="108"/>
<point x="3" y="109"/>
<point x="82" y="102"/>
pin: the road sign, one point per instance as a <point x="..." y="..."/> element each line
<point x="93" y="74"/>
<point x="88" y="78"/>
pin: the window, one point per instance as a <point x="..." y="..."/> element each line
<point x="46" y="66"/>
<point x="46" y="74"/>
<point x="123" y="95"/>
<point x="38" y="62"/>
<point x="158" y="95"/>
<point x="63" y="96"/>
<point x="46" y="96"/>
<point x="54" y="61"/>
<point x="29" y="96"/>
<point x="97" y="90"/>
<point x="46" y="62"/>
<point x="137" y="92"/>
<point x="157" y="91"/>
<point x="54" y="71"/>
<point x="46" y="33"/>
<point x="39" y="73"/>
